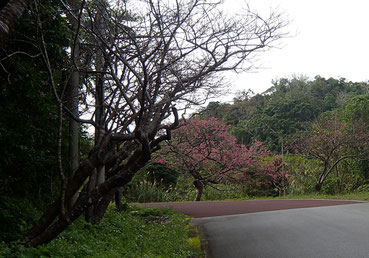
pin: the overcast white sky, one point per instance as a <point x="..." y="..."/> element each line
<point x="329" y="38"/>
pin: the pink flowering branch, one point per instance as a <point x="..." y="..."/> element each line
<point x="205" y="150"/>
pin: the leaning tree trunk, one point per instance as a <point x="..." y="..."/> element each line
<point x="102" y="206"/>
<point x="74" y="184"/>
<point x="43" y="233"/>
<point x="319" y="184"/>
<point x="199" y="189"/>
<point x="9" y="16"/>
<point x="84" y="201"/>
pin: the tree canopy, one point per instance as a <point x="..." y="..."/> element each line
<point x="284" y="110"/>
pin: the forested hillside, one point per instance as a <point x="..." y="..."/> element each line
<point x="317" y="125"/>
<point x="284" y="110"/>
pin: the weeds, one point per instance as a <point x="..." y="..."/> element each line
<point x="138" y="232"/>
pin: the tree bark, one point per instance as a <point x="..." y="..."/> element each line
<point x="73" y="125"/>
<point x="99" y="175"/>
<point x="86" y="199"/>
<point x="199" y="189"/>
<point x="9" y="16"/>
<point x="118" y="200"/>
<point x="91" y="185"/>
<point x="102" y="206"/>
<point x="74" y="86"/>
<point x="85" y="169"/>
<point x="96" y="213"/>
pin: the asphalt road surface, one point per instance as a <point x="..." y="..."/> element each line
<point x="330" y="231"/>
<point x="280" y="228"/>
<point x="221" y="208"/>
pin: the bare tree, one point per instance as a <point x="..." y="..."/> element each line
<point x="160" y="56"/>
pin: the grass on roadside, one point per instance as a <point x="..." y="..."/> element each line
<point x="137" y="232"/>
<point x="363" y="196"/>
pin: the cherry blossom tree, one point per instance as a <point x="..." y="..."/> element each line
<point x="205" y="150"/>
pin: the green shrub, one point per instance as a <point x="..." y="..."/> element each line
<point x="147" y="192"/>
<point x="160" y="175"/>
<point x="222" y="192"/>
<point x="138" y="232"/>
<point x="363" y="189"/>
<point x="15" y="216"/>
<point x="141" y="190"/>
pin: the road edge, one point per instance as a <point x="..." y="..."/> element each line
<point x="203" y="240"/>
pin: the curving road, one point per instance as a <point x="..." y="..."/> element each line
<point x="331" y="231"/>
<point x="281" y="228"/>
<point x="222" y="208"/>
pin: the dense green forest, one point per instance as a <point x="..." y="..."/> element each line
<point x="301" y="110"/>
<point x="287" y="108"/>
<point x="91" y="95"/>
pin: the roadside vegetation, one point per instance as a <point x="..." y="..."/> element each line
<point x="146" y="192"/>
<point x="91" y="98"/>
<point x="134" y="232"/>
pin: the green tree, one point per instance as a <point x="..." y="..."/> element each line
<point x="274" y="123"/>
<point x="161" y="175"/>
<point x="285" y="109"/>
<point x="358" y="109"/>
<point x="29" y="119"/>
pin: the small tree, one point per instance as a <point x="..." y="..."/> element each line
<point x="332" y="142"/>
<point x="206" y="151"/>
<point x="271" y="174"/>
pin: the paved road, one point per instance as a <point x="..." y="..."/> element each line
<point x="221" y="208"/>
<point x="334" y="231"/>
